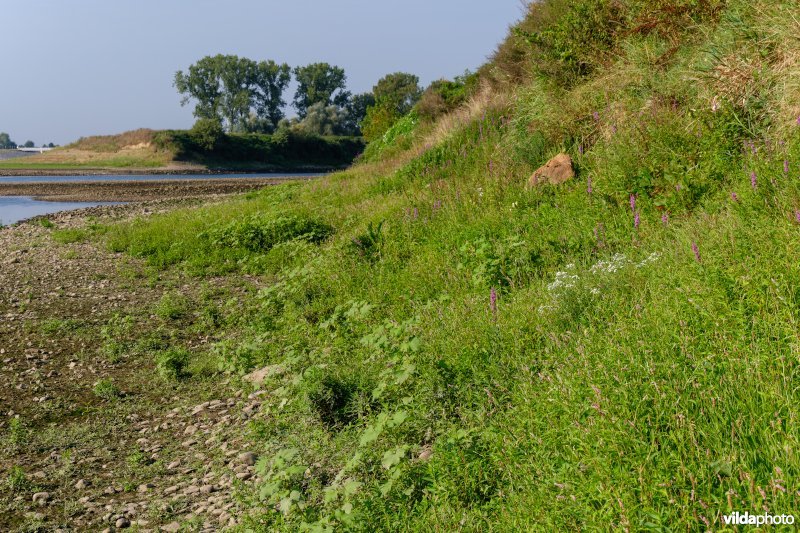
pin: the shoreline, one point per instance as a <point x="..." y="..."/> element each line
<point x="177" y="171"/>
<point x="136" y="191"/>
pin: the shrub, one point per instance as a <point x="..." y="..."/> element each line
<point x="106" y="390"/>
<point x="207" y="133"/>
<point x="171" y="364"/>
<point x="259" y="233"/>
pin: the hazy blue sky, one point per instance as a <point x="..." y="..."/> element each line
<point x="82" y="67"/>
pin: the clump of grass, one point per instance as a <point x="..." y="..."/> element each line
<point x="105" y="389"/>
<point x="172" y="364"/>
<point x="172" y="306"/>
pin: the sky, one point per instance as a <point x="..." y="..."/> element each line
<point x="95" y="67"/>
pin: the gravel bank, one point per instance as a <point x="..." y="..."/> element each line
<point x="135" y="191"/>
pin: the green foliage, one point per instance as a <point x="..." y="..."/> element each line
<point x="172" y="306"/>
<point x="260" y="233"/>
<point x="172" y="364"/>
<point x="17" y="482"/>
<point x="386" y="131"/>
<point x="440" y="97"/>
<point x="319" y="83"/>
<point x="105" y="389"/>
<point x="228" y="88"/>
<point x="285" y="150"/>
<point x="6" y="143"/>
<point x="206" y="133"/>
<point x="397" y="92"/>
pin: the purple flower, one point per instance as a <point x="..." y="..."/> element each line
<point x="785" y="166"/>
<point x="696" y="251"/>
<point x="416" y="213"/>
<point x="665" y="219"/>
<point x="753" y="181"/>
<point x="613" y="130"/>
<point x="596" y="117"/>
<point x="589" y="185"/>
<point x="678" y="187"/>
<point x="734" y="197"/>
<point x="580" y="149"/>
<point x="798" y="121"/>
<point x="437" y="205"/>
<point x="633" y="203"/>
<point x="636" y="220"/>
<point x="797" y="215"/>
<point x="493" y="302"/>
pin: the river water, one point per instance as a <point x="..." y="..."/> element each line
<point x="16" y="208"/>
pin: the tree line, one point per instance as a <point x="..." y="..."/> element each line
<point x="240" y="95"/>
<point x="7" y="144"/>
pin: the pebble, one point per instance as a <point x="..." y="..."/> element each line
<point x="248" y="458"/>
<point x="122" y="523"/>
<point x="41" y="498"/>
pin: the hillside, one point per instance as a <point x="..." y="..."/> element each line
<point x="174" y="151"/>
<point x="440" y="345"/>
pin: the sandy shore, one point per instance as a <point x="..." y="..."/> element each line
<point x="135" y="191"/>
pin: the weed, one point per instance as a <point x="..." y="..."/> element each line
<point x="105" y="389"/>
<point x="172" y="364"/>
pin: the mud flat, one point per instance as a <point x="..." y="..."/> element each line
<point x="135" y="191"/>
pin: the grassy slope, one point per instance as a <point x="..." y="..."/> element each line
<point x="635" y="377"/>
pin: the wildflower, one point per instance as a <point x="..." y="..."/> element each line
<point x="437" y="205"/>
<point x="493" y="302"/>
<point x="734" y="197"/>
<point x="589" y="185"/>
<point x="678" y="187"/>
<point x="665" y="219"/>
<point x="596" y="116"/>
<point x="798" y="121"/>
<point x="613" y="129"/>
<point x="785" y="166"/>
<point x="580" y="149"/>
<point x="696" y="251"/>
<point x="636" y="220"/>
<point x="633" y="203"/>
<point x="797" y="215"/>
<point x="753" y="181"/>
<point x="714" y="105"/>
<point x="416" y="213"/>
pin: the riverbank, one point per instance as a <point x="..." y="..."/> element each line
<point x="135" y="191"/>
<point x="88" y="441"/>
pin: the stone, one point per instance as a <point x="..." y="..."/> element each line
<point x="122" y="523"/>
<point x="248" y="458"/>
<point x="41" y="498"/>
<point x="81" y="484"/>
<point x="257" y="377"/>
<point x="172" y="527"/>
<point x="555" y="172"/>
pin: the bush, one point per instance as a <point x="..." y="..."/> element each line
<point x="171" y="365"/>
<point x="207" y="133"/>
<point x="258" y="233"/>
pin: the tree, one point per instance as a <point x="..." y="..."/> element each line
<point x="323" y="120"/>
<point x="356" y="111"/>
<point x="6" y="143"/>
<point x="398" y="92"/>
<point x="29" y="144"/>
<point x="229" y="89"/>
<point x="319" y="83"/>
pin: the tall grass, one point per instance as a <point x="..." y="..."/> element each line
<point x="465" y="353"/>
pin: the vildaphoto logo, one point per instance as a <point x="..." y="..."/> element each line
<point x="747" y="519"/>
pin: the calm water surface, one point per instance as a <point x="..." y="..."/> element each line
<point x="16" y="208"/>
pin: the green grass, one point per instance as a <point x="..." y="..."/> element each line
<point x="628" y="377"/>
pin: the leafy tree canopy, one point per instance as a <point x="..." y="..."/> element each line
<point x="230" y="89"/>
<point x="398" y="92"/>
<point x="6" y="143"/>
<point x="319" y="83"/>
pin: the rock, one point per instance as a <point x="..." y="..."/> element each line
<point x="171" y="527"/>
<point x="248" y="458"/>
<point x="122" y="523"/>
<point x="145" y="487"/>
<point x="81" y="484"/>
<point x="41" y="498"/>
<point x="425" y="454"/>
<point x="555" y="172"/>
<point x="257" y="377"/>
<point x="244" y="476"/>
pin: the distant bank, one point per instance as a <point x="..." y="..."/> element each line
<point x="180" y="152"/>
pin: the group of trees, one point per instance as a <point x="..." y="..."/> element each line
<point x="7" y="144"/>
<point x="240" y="95"/>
